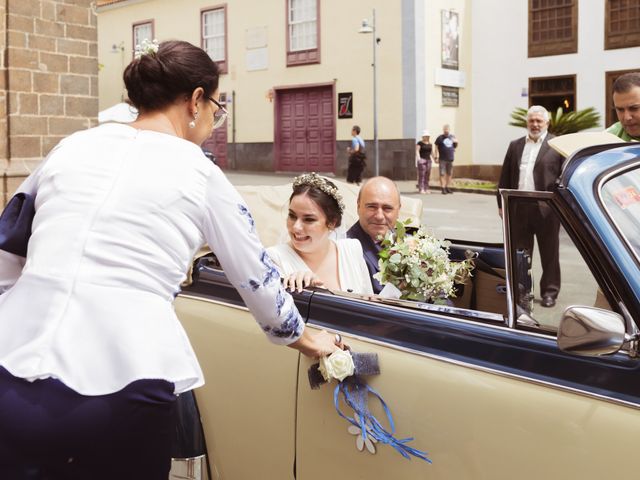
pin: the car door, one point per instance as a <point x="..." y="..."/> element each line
<point x="248" y="402"/>
<point x="488" y="396"/>
<point x="485" y="401"/>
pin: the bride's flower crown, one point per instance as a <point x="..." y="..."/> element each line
<point x="321" y="183"/>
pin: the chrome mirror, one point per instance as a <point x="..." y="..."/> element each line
<point x="526" y="320"/>
<point x="591" y="331"/>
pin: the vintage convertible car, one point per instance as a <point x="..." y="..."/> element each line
<point x="494" y="387"/>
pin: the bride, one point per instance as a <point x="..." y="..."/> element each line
<point x="311" y="257"/>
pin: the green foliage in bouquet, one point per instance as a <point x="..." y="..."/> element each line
<point x="419" y="266"/>
<point x="561" y="123"/>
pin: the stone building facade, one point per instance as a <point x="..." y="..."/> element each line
<point x="48" y="79"/>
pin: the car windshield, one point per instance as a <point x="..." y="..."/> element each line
<point x="621" y="196"/>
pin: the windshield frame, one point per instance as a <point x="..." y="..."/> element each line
<point x="605" y="204"/>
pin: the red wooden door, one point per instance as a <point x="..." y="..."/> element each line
<point x="217" y="142"/>
<point x="305" y="138"/>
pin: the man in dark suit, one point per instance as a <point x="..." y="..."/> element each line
<point x="531" y="164"/>
<point x="378" y="210"/>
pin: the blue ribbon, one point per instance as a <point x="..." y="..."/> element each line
<point x="356" y="393"/>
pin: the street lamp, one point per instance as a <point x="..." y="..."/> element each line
<point x="366" y="28"/>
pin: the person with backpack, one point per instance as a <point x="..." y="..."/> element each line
<point x="357" y="157"/>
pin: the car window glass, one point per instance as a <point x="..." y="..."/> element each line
<point x="575" y="284"/>
<point x="621" y="198"/>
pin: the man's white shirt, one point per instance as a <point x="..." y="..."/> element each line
<point x="528" y="161"/>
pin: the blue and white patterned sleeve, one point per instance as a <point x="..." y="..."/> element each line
<point x="230" y="232"/>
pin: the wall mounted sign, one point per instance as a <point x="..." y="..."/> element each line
<point x="257" y="59"/>
<point x="345" y="105"/>
<point x="450" y="96"/>
<point x="450" y="78"/>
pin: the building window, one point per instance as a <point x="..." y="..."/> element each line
<point x="142" y="30"/>
<point x="214" y="35"/>
<point x="303" y="36"/>
<point x="553" y="92"/>
<point x="553" y="27"/>
<point x="610" y="77"/>
<point x="621" y="24"/>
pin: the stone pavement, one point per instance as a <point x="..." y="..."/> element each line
<point x="462" y="215"/>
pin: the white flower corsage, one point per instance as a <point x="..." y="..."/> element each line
<point x="147" y="47"/>
<point x="338" y="365"/>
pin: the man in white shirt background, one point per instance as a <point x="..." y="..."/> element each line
<point x="531" y="164"/>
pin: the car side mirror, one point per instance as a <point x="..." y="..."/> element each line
<point x="591" y="331"/>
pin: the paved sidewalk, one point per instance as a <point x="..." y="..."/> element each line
<point x="474" y="216"/>
<point x="405" y="186"/>
<point x="461" y="215"/>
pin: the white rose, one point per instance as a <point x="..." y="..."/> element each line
<point x="338" y="365"/>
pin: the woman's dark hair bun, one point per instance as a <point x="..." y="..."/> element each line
<point x="155" y="80"/>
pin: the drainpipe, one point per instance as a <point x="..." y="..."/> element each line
<point x="233" y="129"/>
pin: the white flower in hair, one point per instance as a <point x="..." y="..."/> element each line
<point x="147" y="47"/>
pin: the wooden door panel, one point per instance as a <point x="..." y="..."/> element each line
<point x="217" y="142"/>
<point x="305" y="137"/>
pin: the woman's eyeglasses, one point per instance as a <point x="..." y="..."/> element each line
<point x="221" y="114"/>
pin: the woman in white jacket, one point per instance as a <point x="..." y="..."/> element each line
<point x="91" y="352"/>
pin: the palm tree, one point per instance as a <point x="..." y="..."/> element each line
<point x="561" y="123"/>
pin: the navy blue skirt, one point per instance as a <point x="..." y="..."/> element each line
<point x="48" y="431"/>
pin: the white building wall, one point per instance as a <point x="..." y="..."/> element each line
<point x="437" y="115"/>
<point x="501" y="69"/>
<point x="346" y="57"/>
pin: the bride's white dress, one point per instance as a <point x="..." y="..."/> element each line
<point x="352" y="269"/>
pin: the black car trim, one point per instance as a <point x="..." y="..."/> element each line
<point x="210" y="280"/>
<point x="491" y="347"/>
<point x="500" y="349"/>
<point x="493" y="371"/>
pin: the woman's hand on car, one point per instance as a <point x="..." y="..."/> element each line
<point x="317" y="344"/>
<point x="297" y="281"/>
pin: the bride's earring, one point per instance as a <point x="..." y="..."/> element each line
<point x="192" y="123"/>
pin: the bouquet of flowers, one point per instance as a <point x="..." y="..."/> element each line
<point x="418" y="265"/>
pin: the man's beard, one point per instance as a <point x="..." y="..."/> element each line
<point x="535" y="136"/>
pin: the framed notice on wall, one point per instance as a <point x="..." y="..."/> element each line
<point x="450" y="96"/>
<point x="450" y="37"/>
<point x="345" y="105"/>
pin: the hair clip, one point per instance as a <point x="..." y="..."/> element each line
<point x="147" y="47"/>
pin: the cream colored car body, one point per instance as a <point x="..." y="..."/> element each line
<point x="260" y="414"/>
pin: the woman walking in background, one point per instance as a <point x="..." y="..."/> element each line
<point x="424" y="156"/>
